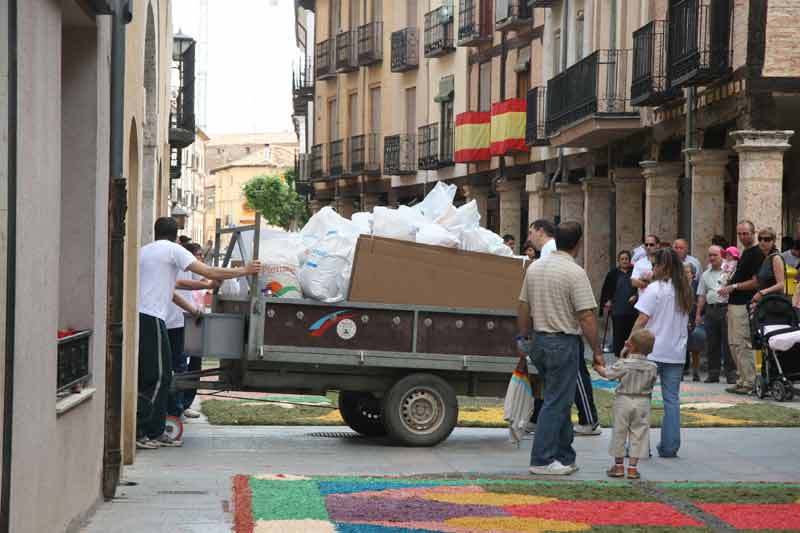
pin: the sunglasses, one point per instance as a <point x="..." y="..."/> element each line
<point x="649" y="245"/>
<point x="765" y="239"/>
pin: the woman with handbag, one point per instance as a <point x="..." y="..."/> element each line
<point x="771" y="276"/>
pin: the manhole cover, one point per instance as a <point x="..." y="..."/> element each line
<point x="335" y="435"/>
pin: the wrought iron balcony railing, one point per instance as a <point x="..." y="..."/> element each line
<point x="474" y="26"/>
<point x="302" y="86"/>
<point x="405" y="49"/>
<point x="699" y="41"/>
<point x="336" y="158"/>
<point x="428" y="147"/>
<point x="182" y="117"/>
<point x="598" y="84"/>
<point x="73" y="361"/>
<point x="317" y="162"/>
<point x="542" y="3"/>
<point x="370" y="43"/>
<point x="324" y="67"/>
<point x="400" y="154"/>
<point x="535" y="134"/>
<point x="511" y="14"/>
<point x="439" y="31"/>
<point x="650" y="85"/>
<point x="302" y="173"/>
<point x="346" y="52"/>
<point x="357" y="151"/>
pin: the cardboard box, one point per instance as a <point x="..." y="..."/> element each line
<point x="389" y="271"/>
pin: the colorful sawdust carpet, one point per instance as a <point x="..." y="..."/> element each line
<point x="297" y="504"/>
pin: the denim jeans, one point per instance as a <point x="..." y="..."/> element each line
<point x="584" y="397"/>
<point x="556" y="359"/>
<point x="670" y="376"/>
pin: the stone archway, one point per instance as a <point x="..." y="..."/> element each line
<point x="150" y="185"/>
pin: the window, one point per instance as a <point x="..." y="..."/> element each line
<point x="411" y="13"/>
<point x="353" y="114"/>
<point x="335" y="18"/>
<point x="446" y="152"/>
<point x="485" y="86"/>
<point x="523" y="70"/>
<point x="411" y="110"/>
<point x="579" y="36"/>
<point x="375" y="110"/>
<point x="556" y="51"/>
<point x="355" y="15"/>
<point x="333" y="120"/>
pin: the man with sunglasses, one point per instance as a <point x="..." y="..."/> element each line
<point x="740" y="290"/>
<point x="643" y="268"/>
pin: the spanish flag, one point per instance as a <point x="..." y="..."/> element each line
<point x="472" y="137"/>
<point x="508" y="126"/>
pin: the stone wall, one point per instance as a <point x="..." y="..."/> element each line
<point x="782" y="55"/>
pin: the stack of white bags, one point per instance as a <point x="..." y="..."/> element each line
<point x="319" y="259"/>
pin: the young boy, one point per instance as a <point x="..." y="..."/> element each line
<point x="631" y="411"/>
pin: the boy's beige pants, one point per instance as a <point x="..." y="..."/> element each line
<point x="631" y="423"/>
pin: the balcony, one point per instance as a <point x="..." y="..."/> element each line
<point x="474" y="28"/>
<point x="405" y="50"/>
<point x="650" y="85"/>
<point x="512" y="14"/>
<point x="370" y="44"/>
<point x="588" y="105"/>
<point x="399" y="154"/>
<point x="302" y="173"/>
<point x="346" y="52"/>
<point x="302" y="87"/>
<point x="365" y="155"/>
<point x="73" y="361"/>
<point x="181" y="117"/>
<point x="428" y="147"/>
<point x="324" y="66"/>
<point x="537" y="115"/>
<point x="542" y="3"/>
<point x="336" y="159"/>
<point x="699" y="42"/>
<point x="317" y="162"/>
<point x="175" y="162"/>
<point x="439" y="31"/>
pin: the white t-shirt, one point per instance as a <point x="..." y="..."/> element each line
<point x="668" y="323"/>
<point x="159" y="265"/>
<point x="548" y="248"/>
<point x="640" y="268"/>
<point x="175" y="315"/>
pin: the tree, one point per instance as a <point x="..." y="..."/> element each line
<point x="277" y="201"/>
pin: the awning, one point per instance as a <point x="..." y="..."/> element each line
<point x="472" y="137"/>
<point x="446" y="90"/>
<point x="508" y="126"/>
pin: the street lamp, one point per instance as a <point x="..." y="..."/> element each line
<point x="179" y="214"/>
<point x="180" y="44"/>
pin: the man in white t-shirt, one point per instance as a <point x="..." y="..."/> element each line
<point x="159" y="265"/>
<point x="542" y="234"/>
<point x="643" y="268"/>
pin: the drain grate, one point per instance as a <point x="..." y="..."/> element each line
<point x="335" y="435"/>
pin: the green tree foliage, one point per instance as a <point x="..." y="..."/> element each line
<point x="277" y="201"/>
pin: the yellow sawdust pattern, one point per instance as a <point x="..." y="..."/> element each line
<point x="332" y="416"/>
<point x="516" y="525"/>
<point x="704" y="418"/>
<point x="488" y="498"/>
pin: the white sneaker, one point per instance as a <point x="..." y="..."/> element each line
<point x="553" y="469"/>
<point x="530" y="427"/>
<point x="145" y="444"/>
<point x="165" y="441"/>
<point x="191" y="413"/>
<point x="586" y="431"/>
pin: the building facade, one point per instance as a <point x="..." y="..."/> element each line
<point x="672" y="117"/>
<point x="188" y="191"/>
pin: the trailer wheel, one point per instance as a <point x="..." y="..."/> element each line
<point x="362" y="411"/>
<point x="420" y="410"/>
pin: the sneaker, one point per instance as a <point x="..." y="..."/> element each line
<point x="145" y="444"/>
<point x="530" y="427"/>
<point x="553" y="469"/>
<point x="165" y="441"/>
<point x="633" y="473"/>
<point x="587" y="431"/>
<point x="744" y="391"/>
<point x="191" y="413"/>
<point x="618" y="470"/>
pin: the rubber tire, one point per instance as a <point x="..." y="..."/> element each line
<point x="779" y="390"/>
<point x="356" y="408"/>
<point x="398" y="430"/>
<point x="788" y="396"/>
<point x="760" y="387"/>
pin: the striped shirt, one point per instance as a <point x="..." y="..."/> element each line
<point x="556" y="289"/>
<point x="636" y="375"/>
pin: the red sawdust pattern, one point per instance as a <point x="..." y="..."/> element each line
<point x="242" y="505"/>
<point x="755" y="515"/>
<point x="606" y="513"/>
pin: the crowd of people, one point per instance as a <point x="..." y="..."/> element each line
<point x="665" y="309"/>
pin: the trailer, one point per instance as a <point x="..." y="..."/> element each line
<point x="398" y="368"/>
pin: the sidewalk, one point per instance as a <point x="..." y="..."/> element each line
<point x="189" y="489"/>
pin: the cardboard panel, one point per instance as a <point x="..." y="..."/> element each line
<point x="389" y="271"/>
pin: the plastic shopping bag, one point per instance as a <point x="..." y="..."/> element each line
<point x="518" y="404"/>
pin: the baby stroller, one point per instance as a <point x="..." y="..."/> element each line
<point x="776" y="332"/>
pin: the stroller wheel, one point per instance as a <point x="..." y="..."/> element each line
<point x="761" y="387"/>
<point x="779" y="391"/>
<point x="789" y="392"/>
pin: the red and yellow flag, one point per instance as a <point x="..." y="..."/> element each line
<point x="508" y="126"/>
<point x="472" y="137"/>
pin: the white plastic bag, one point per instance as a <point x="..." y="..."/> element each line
<point x="438" y="200"/>
<point x="518" y="404"/>
<point x="462" y="219"/>
<point x="394" y="223"/>
<point x="280" y="263"/>
<point x="484" y="241"/>
<point x="436" y="235"/>
<point x="326" y="222"/>
<point x="363" y="222"/>
<point x="325" y="276"/>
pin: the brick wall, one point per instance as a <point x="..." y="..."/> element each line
<point x="782" y="56"/>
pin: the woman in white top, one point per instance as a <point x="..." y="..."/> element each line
<point x="664" y="310"/>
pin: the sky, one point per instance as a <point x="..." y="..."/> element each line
<point x="251" y="48"/>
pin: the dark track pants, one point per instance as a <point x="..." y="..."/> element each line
<point x="175" y="400"/>
<point x="155" y="376"/>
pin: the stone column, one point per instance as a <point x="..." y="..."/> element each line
<point x="572" y="207"/>
<point x="541" y="200"/>
<point x="661" y="198"/>
<point x="510" y="193"/>
<point x="369" y="201"/>
<point x="479" y="193"/>
<point x="761" y="176"/>
<point x="596" y="230"/>
<point x="629" y="192"/>
<point x="708" y="197"/>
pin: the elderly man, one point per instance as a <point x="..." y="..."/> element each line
<point x="557" y="294"/>
<point x="681" y="247"/>
<point x="712" y="310"/>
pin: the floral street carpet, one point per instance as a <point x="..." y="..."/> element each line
<point x="297" y="504"/>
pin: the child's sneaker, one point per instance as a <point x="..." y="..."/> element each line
<point x="616" y="471"/>
<point x="633" y="473"/>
